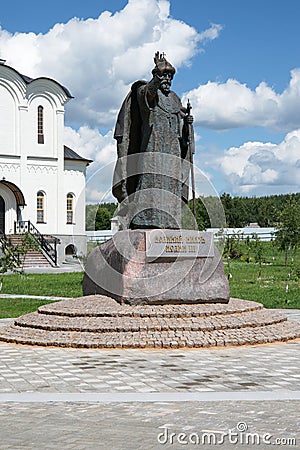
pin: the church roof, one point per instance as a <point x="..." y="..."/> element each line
<point x="71" y="155"/>
<point x="28" y="80"/>
<point x="15" y="190"/>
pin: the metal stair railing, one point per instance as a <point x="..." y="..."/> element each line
<point x="5" y="243"/>
<point x="48" y="244"/>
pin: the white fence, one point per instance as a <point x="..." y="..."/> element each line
<point x="99" y="235"/>
<point x="263" y="233"/>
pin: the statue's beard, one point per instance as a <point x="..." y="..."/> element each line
<point x="165" y="86"/>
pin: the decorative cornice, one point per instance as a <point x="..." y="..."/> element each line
<point x="41" y="169"/>
<point x="9" y="167"/>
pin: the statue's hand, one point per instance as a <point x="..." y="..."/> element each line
<point x="189" y="119"/>
<point x="160" y="63"/>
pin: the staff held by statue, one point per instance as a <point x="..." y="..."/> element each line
<point x="191" y="150"/>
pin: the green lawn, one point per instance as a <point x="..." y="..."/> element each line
<point x="18" y="306"/>
<point x="266" y="284"/>
<point x="269" y="289"/>
<point x="57" y="285"/>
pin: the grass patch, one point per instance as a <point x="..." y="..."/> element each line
<point x="15" y="307"/>
<point x="56" y="285"/>
<point x="270" y="289"/>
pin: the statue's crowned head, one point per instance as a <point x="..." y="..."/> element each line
<point x="164" y="70"/>
<point x="162" y="65"/>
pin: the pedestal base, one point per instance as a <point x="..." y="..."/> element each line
<point x="101" y="322"/>
<point x="119" y="269"/>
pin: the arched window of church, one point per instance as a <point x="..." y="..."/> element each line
<point x="40" y="124"/>
<point x="40" y="207"/>
<point x="70" y="208"/>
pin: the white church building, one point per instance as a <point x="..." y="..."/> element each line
<point x="42" y="182"/>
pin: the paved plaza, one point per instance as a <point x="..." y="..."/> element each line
<point x="149" y="399"/>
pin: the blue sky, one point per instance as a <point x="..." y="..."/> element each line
<point x="238" y="62"/>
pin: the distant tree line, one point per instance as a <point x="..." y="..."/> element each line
<point x="239" y="211"/>
<point x="98" y="217"/>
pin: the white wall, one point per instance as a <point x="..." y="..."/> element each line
<point x="73" y="182"/>
<point x="33" y="166"/>
<point x="7" y="122"/>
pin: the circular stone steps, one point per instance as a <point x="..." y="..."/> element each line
<point x="100" y="322"/>
<point x="131" y="324"/>
<point x="102" y="306"/>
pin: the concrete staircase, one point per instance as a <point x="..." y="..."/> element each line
<point x="34" y="258"/>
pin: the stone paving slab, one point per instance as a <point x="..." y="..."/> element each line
<point x="147" y="397"/>
<point x="4" y="322"/>
<point x="245" y="373"/>
<point x="65" y="267"/>
<point x="291" y="314"/>
<point x="145" y="426"/>
<point x="274" y="367"/>
<point x="36" y="297"/>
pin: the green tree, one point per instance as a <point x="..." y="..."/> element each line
<point x="98" y="216"/>
<point x="202" y="218"/>
<point x="228" y="207"/>
<point x="257" y="246"/>
<point x="9" y="256"/>
<point x="288" y="234"/>
<point x="102" y="220"/>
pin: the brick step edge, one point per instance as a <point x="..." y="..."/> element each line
<point x="133" y="325"/>
<point x="172" y="340"/>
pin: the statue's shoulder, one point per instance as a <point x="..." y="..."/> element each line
<point x="129" y="104"/>
<point x="138" y="84"/>
<point x="137" y="91"/>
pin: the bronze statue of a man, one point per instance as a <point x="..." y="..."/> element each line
<point x="153" y="134"/>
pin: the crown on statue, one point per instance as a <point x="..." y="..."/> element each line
<point x="162" y="65"/>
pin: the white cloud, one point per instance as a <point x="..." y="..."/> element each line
<point x="98" y="59"/>
<point x="228" y="105"/>
<point x="211" y="33"/>
<point x="263" y="168"/>
<point x="91" y="144"/>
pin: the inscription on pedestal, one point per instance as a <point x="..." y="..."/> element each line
<point x="179" y="244"/>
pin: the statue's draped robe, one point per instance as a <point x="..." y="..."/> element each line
<point x="160" y="165"/>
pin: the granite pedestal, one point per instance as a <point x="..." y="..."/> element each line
<point x="169" y="270"/>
